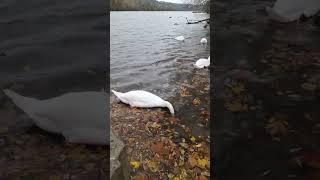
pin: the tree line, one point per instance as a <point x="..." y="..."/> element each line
<point x="149" y="5"/>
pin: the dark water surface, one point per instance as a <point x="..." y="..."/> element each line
<point x="58" y="44"/>
<point x="145" y="55"/>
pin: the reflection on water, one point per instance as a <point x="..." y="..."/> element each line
<point x="144" y="53"/>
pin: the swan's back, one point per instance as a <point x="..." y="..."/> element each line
<point x="202" y="63"/>
<point x="143" y="98"/>
<point x="84" y="109"/>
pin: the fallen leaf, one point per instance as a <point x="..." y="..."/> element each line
<point x="237" y="88"/>
<point x="312" y="159"/>
<point x="173" y="120"/>
<point x="193" y="139"/>
<point x="192" y="162"/>
<point x="185" y="145"/>
<point x="135" y="164"/>
<point x="196" y="101"/>
<point x="140" y="177"/>
<point x="309" y="86"/>
<point x="153" y="166"/>
<point x="184" y="92"/>
<point x="54" y="177"/>
<point x="200" y="178"/>
<point x="202" y="163"/>
<point x="157" y="148"/>
<point x="277" y="127"/>
<point x="236" y="106"/>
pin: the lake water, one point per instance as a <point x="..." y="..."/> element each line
<point x="145" y="55"/>
<point x="53" y="45"/>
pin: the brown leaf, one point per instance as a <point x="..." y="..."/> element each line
<point x="140" y="177"/>
<point x="236" y="106"/>
<point x="192" y="162"/>
<point x="237" y="88"/>
<point x="200" y="178"/>
<point x="196" y="101"/>
<point x="312" y="159"/>
<point x="277" y="127"/>
<point x="157" y="147"/>
<point x="184" y="92"/>
<point x="309" y="86"/>
<point x="173" y="120"/>
<point x="54" y="177"/>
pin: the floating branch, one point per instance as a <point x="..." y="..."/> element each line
<point x="197" y="21"/>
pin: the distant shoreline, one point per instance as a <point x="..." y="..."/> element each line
<point x="158" y="10"/>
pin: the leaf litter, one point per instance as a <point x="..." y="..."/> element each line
<point x="165" y="147"/>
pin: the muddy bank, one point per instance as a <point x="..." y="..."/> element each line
<point x="266" y="94"/>
<point x="159" y="145"/>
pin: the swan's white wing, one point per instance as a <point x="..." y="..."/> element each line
<point x="77" y="110"/>
<point x="141" y="98"/>
<point x="201" y="63"/>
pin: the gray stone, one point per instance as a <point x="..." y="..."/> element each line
<point x="118" y="161"/>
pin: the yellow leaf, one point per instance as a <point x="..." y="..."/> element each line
<point x="277" y="127"/>
<point x="152" y="166"/>
<point x="196" y="101"/>
<point x="193" y="139"/>
<point x="236" y="106"/>
<point x="237" y="88"/>
<point x="176" y="178"/>
<point x="54" y="177"/>
<point x="135" y="164"/>
<point x="202" y="163"/>
<point x="309" y="86"/>
<point x="184" y="92"/>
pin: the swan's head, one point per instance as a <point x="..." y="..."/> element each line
<point x="170" y="107"/>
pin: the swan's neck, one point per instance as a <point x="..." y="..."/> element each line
<point x="169" y="106"/>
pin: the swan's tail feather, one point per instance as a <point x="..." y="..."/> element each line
<point x="22" y="102"/>
<point x="170" y="107"/>
<point x="118" y="94"/>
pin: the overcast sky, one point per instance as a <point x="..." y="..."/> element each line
<point x="173" y="1"/>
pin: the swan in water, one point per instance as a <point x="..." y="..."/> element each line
<point x="202" y="63"/>
<point x="143" y="99"/>
<point x="80" y="117"/>
<point x="203" y="41"/>
<point x="291" y="10"/>
<point x="179" y="38"/>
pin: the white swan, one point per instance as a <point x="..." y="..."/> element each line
<point x="144" y="99"/>
<point x="201" y="63"/>
<point x="291" y="10"/>
<point x="180" y="38"/>
<point x="203" y="41"/>
<point x="80" y="117"/>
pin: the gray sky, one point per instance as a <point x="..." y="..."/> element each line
<point x="173" y="1"/>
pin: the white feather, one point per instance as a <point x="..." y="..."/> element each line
<point x="143" y="99"/>
<point x="80" y="117"/>
<point x="203" y="41"/>
<point x="180" y="38"/>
